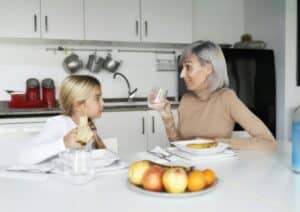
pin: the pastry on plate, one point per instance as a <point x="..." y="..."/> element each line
<point x="203" y="145"/>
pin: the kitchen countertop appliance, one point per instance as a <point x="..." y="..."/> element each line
<point x="32" y="97"/>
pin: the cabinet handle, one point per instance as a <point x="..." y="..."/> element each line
<point x="143" y="125"/>
<point x="136" y="27"/>
<point x="146" y="28"/>
<point x="46" y="23"/>
<point x="153" y="124"/>
<point x="35" y="22"/>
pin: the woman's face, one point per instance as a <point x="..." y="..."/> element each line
<point x="194" y="74"/>
<point x="93" y="106"/>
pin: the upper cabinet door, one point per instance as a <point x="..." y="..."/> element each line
<point x="168" y="21"/>
<point x="112" y="20"/>
<point x="20" y="19"/>
<point x="62" y="19"/>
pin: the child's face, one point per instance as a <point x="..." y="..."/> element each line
<point x="93" y="106"/>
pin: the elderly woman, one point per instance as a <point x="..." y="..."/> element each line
<point x="210" y="109"/>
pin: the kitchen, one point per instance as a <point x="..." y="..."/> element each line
<point x="22" y="58"/>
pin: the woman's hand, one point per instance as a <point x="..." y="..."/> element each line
<point x="70" y="140"/>
<point x="164" y="107"/>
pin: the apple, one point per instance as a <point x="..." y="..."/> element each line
<point x="152" y="179"/>
<point x="175" y="180"/>
<point x="136" y="171"/>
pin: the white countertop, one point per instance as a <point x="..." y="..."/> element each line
<point x="254" y="181"/>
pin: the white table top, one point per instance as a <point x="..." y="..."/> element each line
<point x="254" y="181"/>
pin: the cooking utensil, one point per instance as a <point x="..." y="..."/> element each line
<point x="91" y="61"/>
<point x="95" y="64"/>
<point x="72" y="63"/>
<point x="110" y="64"/>
<point x="98" y="65"/>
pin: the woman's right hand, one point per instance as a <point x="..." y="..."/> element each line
<point x="164" y="107"/>
<point x="70" y="140"/>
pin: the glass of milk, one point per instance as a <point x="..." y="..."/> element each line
<point x="78" y="166"/>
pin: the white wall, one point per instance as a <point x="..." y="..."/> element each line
<point x="21" y="59"/>
<point x="265" y="20"/>
<point x="218" y="21"/>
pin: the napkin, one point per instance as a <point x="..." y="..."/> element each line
<point x="116" y="166"/>
<point x="175" y="155"/>
<point x="227" y="154"/>
<point x="23" y="175"/>
<point x="38" y="168"/>
<point x="29" y="172"/>
<point x="103" y="158"/>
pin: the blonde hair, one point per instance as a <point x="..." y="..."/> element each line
<point x="76" y="88"/>
<point x="209" y="52"/>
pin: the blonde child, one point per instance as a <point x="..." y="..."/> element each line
<point x="80" y="95"/>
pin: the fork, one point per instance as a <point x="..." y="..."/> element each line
<point x="160" y="155"/>
<point x="37" y="171"/>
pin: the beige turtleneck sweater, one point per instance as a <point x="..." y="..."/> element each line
<point x="213" y="115"/>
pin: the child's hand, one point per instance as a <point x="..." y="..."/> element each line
<point x="70" y="139"/>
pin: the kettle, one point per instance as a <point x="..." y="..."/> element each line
<point x="32" y="90"/>
<point x="48" y="91"/>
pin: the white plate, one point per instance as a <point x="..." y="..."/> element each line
<point x="165" y="194"/>
<point x="103" y="157"/>
<point x="181" y="145"/>
<point x="99" y="158"/>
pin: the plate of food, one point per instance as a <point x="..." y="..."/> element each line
<point x="201" y="146"/>
<point x="150" y="178"/>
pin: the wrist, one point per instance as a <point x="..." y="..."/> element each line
<point x="165" y="113"/>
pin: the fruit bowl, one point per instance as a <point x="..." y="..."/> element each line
<point x="161" y="180"/>
<point x="141" y="190"/>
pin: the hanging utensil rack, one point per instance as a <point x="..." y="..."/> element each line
<point x="60" y="48"/>
<point x="147" y="51"/>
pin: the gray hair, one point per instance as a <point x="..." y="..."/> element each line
<point x="209" y="52"/>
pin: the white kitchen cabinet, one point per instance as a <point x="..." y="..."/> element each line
<point x="156" y="131"/>
<point x="52" y="19"/>
<point x="112" y="20"/>
<point x="136" y="131"/>
<point x="218" y="21"/>
<point x="168" y="21"/>
<point x="62" y="19"/>
<point x="20" y="19"/>
<point x="128" y="126"/>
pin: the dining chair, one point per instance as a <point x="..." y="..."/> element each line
<point x="111" y="144"/>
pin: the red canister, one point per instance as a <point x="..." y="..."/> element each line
<point x="33" y="90"/>
<point x="48" y="90"/>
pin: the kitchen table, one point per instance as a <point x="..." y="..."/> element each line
<point x="255" y="181"/>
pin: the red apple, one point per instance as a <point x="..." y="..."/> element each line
<point x="175" y="180"/>
<point x="136" y="171"/>
<point x="152" y="179"/>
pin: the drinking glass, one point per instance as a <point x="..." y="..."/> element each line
<point x="78" y="166"/>
<point x="156" y="97"/>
